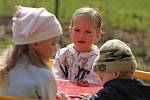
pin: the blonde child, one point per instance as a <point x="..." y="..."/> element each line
<point x="75" y="61"/>
<point x="25" y="72"/>
<point x="115" y="67"/>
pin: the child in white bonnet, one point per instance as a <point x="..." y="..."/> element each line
<point x="25" y="72"/>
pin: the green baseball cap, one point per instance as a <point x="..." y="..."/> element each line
<point x="115" y="56"/>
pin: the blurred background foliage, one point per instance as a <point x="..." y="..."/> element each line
<point x="128" y="20"/>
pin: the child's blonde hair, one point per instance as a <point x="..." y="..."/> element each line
<point x="16" y="53"/>
<point x="92" y="13"/>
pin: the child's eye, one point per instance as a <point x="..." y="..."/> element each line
<point x="76" y="30"/>
<point x="88" y="32"/>
<point x="53" y="44"/>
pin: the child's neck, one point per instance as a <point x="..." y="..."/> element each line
<point x="83" y="51"/>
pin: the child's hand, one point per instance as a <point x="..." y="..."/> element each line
<point x="62" y="96"/>
<point x="85" y="96"/>
<point x="83" y="83"/>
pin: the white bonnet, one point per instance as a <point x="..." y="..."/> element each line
<point x="34" y="25"/>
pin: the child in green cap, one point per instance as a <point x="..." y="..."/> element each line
<point x="115" y="67"/>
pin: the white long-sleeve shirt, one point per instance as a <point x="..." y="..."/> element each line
<point x="72" y="65"/>
<point x="30" y="82"/>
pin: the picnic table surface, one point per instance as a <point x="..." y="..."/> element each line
<point x="72" y="89"/>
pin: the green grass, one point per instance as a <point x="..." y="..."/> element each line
<point x="139" y="51"/>
<point x="5" y="43"/>
<point x="126" y="14"/>
<point x="7" y="7"/>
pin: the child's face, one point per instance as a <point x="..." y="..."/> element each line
<point x="83" y="33"/>
<point x="105" y="77"/>
<point x="47" y="47"/>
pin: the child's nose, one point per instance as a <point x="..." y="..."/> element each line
<point x="82" y="35"/>
<point x="57" y="46"/>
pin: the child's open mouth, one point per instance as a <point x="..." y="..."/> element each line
<point x="81" y="41"/>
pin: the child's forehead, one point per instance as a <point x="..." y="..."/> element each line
<point x="87" y="16"/>
<point x="83" y="18"/>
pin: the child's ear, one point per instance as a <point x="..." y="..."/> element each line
<point x="98" y="35"/>
<point x="34" y="45"/>
<point x="116" y="74"/>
